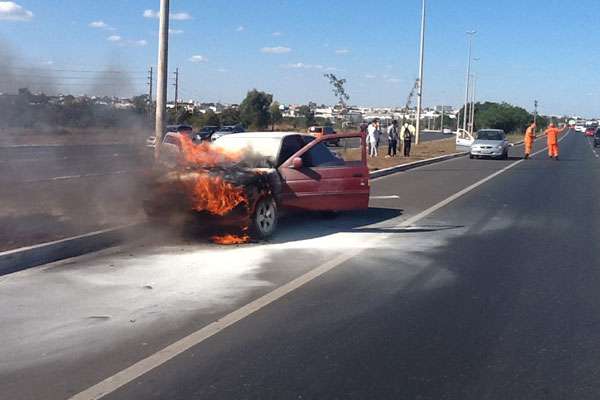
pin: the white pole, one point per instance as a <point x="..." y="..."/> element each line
<point x="473" y="104"/>
<point x="161" y="74"/>
<point x="471" y="34"/>
<point x="421" y="64"/>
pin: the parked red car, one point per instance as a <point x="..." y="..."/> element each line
<point x="278" y="171"/>
<point x="590" y="132"/>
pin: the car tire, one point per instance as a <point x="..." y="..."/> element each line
<point x="471" y="156"/>
<point x="265" y="218"/>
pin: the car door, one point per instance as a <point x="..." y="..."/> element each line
<point x="326" y="180"/>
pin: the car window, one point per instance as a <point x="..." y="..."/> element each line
<point x="290" y="145"/>
<point x="169" y="139"/>
<point x="320" y="156"/>
<point x="490" y="135"/>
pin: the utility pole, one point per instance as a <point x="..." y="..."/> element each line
<point x="535" y="107"/>
<point x="150" y="81"/>
<point x="162" y="70"/>
<point x="421" y="65"/>
<point x="471" y="34"/>
<point x="442" y="119"/>
<point x="176" y="84"/>
<point x="472" y="124"/>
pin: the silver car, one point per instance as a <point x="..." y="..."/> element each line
<point x="490" y="143"/>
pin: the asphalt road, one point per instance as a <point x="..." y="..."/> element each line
<point x="41" y="163"/>
<point x="490" y="294"/>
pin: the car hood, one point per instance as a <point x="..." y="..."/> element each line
<point x="487" y="142"/>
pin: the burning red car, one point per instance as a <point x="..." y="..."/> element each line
<point x="248" y="179"/>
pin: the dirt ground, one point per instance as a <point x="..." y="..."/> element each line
<point x="422" y="151"/>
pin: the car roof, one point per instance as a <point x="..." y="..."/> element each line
<point x="491" y="130"/>
<point x="273" y="135"/>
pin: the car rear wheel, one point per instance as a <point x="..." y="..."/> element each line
<point x="471" y="156"/>
<point x="264" y="221"/>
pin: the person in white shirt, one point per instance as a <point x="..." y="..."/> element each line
<point x="406" y="134"/>
<point x="372" y="139"/>
<point x="393" y="136"/>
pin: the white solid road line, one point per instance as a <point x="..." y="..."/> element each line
<point x="384" y="197"/>
<point x="155" y="360"/>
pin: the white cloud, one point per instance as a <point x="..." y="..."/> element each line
<point x="11" y="11"/>
<point x="240" y="28"/>
<point x="222" y="70"/>
<point x="175" y="31"/>
<point x="277" y="34"/>
<point x="198" y="59"/>
<point x="275" y="50"/>
<point x="48" y="62"/>
<point x="151" y="14"/>
<point x="370" y="76"/>
<point x="114" y="38"/>
<point x="140" y="43"/>
<point x="300" y="65"/>
<point x="394" y="80"/>
<point x="179" y="16"/>
<point x="342" y="51"/>
<point x="98" y="24"/>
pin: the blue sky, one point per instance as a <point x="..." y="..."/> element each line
<point x="527" y="49"/>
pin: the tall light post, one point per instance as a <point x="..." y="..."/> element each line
<point x="472" y="110"/>
<point x="472" y="117"/>
<point x="421" y="64"/>
<point x="161" y="74"/>
<point x="470" y="34"/>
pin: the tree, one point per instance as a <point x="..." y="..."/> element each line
<point x="501" y="116"/>
<point x="230" y="116"/>
<point x="211" y="118"/>
<point x="308" y="115"/>
<point x="276" y="116"/>
<point x="337" y="86"/>
<point x="254" y="110"/>
<point x="141" y="103"/>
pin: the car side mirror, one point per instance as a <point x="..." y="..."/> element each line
<point x="297" y="163"/>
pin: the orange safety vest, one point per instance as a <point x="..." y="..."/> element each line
<point x="552" y="134"/>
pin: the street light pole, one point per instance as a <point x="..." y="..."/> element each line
<point x="421" y="65"/>
<point x="472" y="124"/>
<point x="471" y="34"/>
<point x="161" y="74"/>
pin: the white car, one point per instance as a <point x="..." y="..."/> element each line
<point x="490" y="143"/>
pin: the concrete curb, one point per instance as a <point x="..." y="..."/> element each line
<point x="405" y="167"/>
<point x="32" y="256"/>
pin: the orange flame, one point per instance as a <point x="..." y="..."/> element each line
<point x="213" y="194"/>
<point x="209" y="192"/>
<point x="204" y="154"/>
<point x="230" y="239"/>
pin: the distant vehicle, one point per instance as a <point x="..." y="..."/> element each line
<point x="227" y="130"/>
<point x="206" y="132"/>
<point x="447" y="131"/>
<point x="579" y="128"/>
<point x="183" y="129"/>
<point x="318" y="131"/>
<point x="278" y="171"/>
<point x="597" y="138"/>
<point x="589" y="132"/>
<point x="490" y="143"/>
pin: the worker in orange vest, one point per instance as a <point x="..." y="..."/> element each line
<point x="529" y="138"/>
<point x="552" y="135"/>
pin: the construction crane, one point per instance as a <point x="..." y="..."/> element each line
<point x="411" y="95"/>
